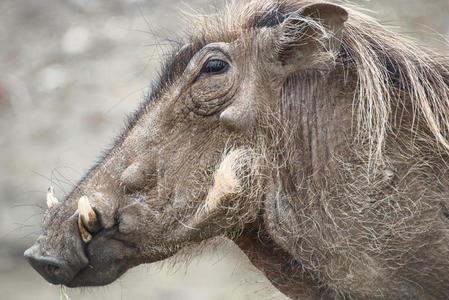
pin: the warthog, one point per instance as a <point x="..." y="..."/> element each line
<point x="304" y="131"/>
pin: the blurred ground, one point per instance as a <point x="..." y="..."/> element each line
<point x="69" y="72"/>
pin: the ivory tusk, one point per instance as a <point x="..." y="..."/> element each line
<point x="51" y="198"/>
<point x="87" y="214"/>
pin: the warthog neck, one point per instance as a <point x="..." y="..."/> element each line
<point x="278" y="266"/>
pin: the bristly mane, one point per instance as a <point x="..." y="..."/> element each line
<point x="394" y="74"/>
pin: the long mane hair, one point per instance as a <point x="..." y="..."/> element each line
<point x="396" y="78"/>
<point x="368" y="228"/>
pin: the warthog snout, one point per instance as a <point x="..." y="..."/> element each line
<point x="52" y="269"/>
<point x="58" y="259"/>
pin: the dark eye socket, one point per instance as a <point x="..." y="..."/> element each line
<point x="214" y="66"/>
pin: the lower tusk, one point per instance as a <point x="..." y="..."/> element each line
<point x="87" y="220"/>
<point x="85" y="235"/>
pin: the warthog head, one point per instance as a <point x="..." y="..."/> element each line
<point x="310" y="139"/>
<point x="190" y="165"/>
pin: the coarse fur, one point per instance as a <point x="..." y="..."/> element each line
<point x="322" y="151"/>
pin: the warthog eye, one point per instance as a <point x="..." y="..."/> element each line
<point x="214" y="66"/>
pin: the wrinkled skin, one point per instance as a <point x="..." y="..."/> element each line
<point x="147" y="191"/>
<point x="152" y="183"/>
<point x="247" y="138"/>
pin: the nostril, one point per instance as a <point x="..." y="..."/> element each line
<point x="52" y="269"/>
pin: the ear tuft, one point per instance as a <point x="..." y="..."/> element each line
<point x="312" y="29"/>
<point x="330" y="15"/>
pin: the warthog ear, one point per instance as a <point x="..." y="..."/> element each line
<point x="310" y="37"/>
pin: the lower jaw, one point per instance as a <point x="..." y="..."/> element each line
<point x="90" y="277"/>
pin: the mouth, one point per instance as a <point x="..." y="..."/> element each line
<point x="102" y="261"/>
<point x="90" y="276"/>
<point x="108" y="259"/>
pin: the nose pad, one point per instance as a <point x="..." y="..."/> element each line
<point x="52" y="269"/>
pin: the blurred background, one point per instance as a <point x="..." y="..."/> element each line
<point x="70" y="70"/>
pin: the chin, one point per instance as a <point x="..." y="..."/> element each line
<point x="91" y="277"/>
